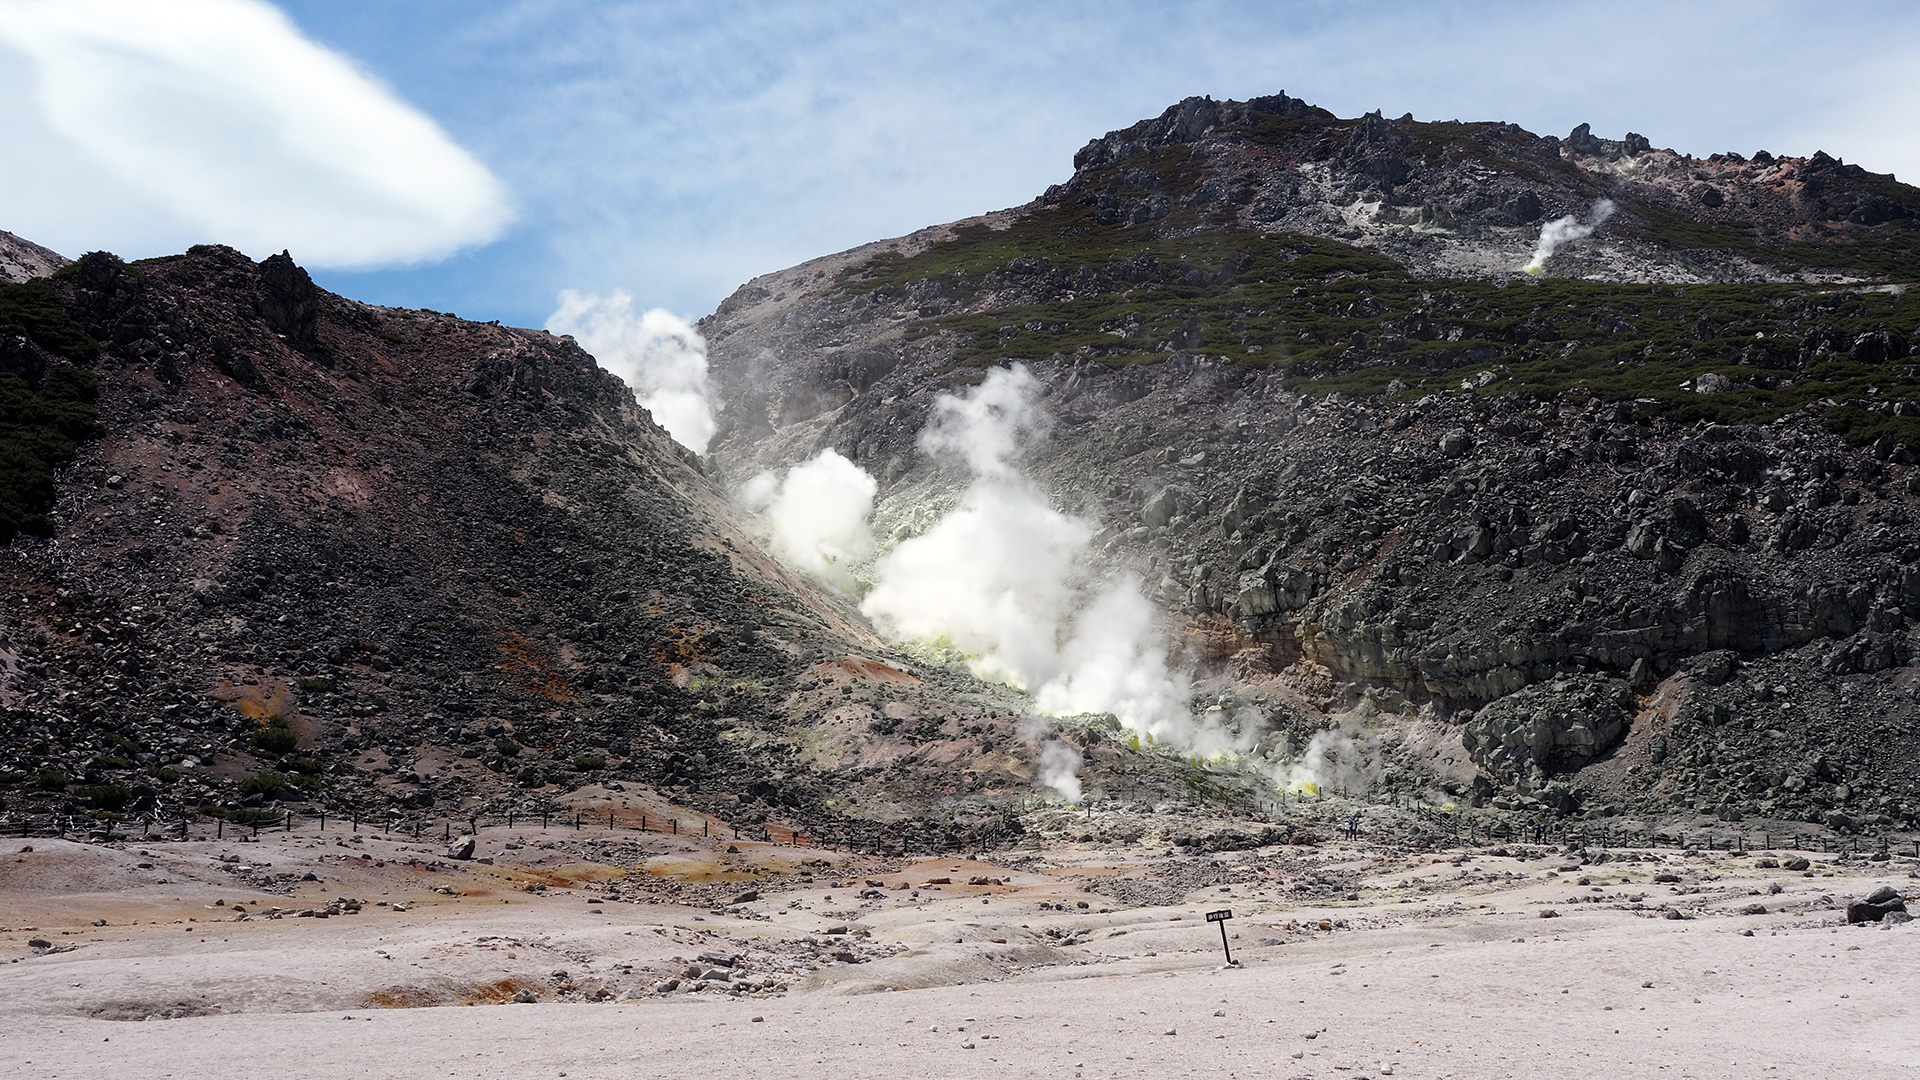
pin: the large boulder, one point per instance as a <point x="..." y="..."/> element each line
<point x="1876" y="906"/>
<point x="1523" y="738"/>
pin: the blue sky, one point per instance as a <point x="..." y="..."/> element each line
<point x="674" y="150"/>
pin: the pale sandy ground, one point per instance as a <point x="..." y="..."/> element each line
<point x="1439" y="969"/>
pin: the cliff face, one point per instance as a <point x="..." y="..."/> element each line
<point x="332" y="553"/>
<point x="1303" y="388"/>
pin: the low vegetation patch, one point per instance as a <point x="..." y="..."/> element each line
<point x="1339" y="319"/>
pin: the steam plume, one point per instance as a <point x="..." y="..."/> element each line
<point x="659" y="355"/>
<point x="994" y="576"/>
<point x="1059" y="760"/>
<point x="1060" y="769"/>
<point x="818" y="513"/>
<point x="1002" y="577"/>
<point x="1565" y="230"/>
<point x="1337" y="759"/>
<point x="1115" y="663"/>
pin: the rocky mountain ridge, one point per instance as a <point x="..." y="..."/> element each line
<point x="1631" y="535"/>
<point x="1635" y="534"/>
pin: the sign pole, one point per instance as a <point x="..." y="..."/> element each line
<point x="1221" y="917"/>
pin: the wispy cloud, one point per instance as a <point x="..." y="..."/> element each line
<point x="677" y="148"/>
<point x="165" y="124"/>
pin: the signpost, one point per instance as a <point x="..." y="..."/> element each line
<point x="1221" y="917"/>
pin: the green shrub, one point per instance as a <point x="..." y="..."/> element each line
<point x="588" y="762"/>
<point x="263" y="784"/>
<point x="39" y="429"/>
<point x="507" y="747"/>
<point x="164" y="774"/>
<point x="275" y="739"/>
<point x="305" y="766"/>
<point x="104" y="762"/>
<point x="51" y="780"/>
<point x="33" y="308"/>
<point x="313" y="684"/>
<point x="253" y="817"/>
<point x="105" y="796"/>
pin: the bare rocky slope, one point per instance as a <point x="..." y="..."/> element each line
<point x="23" y="260"/>
<point x="1636" y="533"/>
<point x="324" y="554"/>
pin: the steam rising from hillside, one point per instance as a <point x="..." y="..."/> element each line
<point x="1003" y="577"/>
<point x="1566" y="230"/>
<point x="658" y="354"/>
<point x="1336" y="759"/>
<point x="1116" y="663"/>
<point x="995" y="576"/>
<point x="818" y="513"/>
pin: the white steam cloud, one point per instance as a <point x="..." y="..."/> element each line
<point x="152" y="126"/>
<point x="1343" y="759"/>
<point x="818" y="513"/>
<point x="1060" y="769"/>
<point x="1003" y="578"/>
<point x="994" y="577"/>
<point x="658" y="354"/>
<point x="1116" y="663"/>
<point x="1566" y="230"/>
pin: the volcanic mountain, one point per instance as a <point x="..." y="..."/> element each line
<point x="1635" y="532"/>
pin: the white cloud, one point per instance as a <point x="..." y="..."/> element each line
<point x="151" y="126"/>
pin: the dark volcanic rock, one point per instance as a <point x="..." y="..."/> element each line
<point x="356" y="556"/>
<point x="1876" y="905"/>
<point x="1554" y="726"/>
